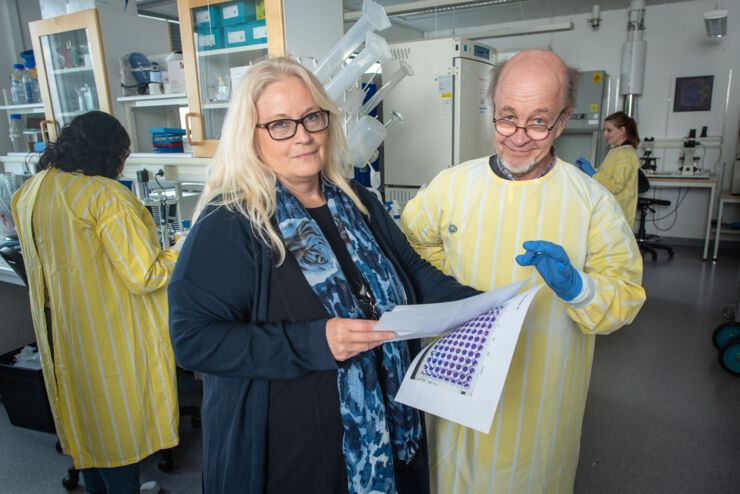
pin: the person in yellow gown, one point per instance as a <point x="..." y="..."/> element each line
<point x="619" y="171"/>
<point x="526" y="214"/>
<point x="97" y="282"/>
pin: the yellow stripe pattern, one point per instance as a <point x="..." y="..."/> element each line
<point x="96" y="261"/>
<point x="471" y="224"/>
<point x="619" y="174"/>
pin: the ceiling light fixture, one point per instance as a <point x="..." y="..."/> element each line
<point x="428" y="7"/>
<point x="522" y="31"/>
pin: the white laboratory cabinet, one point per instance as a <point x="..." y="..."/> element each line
<point x="447" y="116"/>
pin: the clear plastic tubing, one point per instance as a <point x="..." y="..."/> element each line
<point x="373" y="19"/>
<point x="386" y="88"/>
<point x="376" y="50"/>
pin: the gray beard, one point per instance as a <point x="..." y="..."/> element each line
<point x="517" y="171"/>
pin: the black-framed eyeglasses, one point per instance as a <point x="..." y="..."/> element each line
<point x="285" y="128"/>
<point x="536" y="132"/>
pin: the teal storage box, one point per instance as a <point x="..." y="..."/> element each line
<point x="235" y="13"/>
<point x="250" y="33"/>
<point x="210" y="40"/>
<point x="205" y="17"/>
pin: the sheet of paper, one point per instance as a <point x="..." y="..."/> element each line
<point x="425" y="320"/>
<point x="460" y="376"/>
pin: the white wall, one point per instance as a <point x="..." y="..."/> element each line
<point x="676" y="46"/>
<point x="312" y="28"/>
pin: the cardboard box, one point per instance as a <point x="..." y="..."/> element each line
<point x="24" y="396"/>
<point x="175" y="81"/>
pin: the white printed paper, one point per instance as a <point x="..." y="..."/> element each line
<point x="425" y="320"/>
<point x="460" y="377"/>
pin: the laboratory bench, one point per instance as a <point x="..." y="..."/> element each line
<point x="708" y="183"/>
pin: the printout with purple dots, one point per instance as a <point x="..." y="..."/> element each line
<point x="455" y="360"/>
<point x="461" y="375"/>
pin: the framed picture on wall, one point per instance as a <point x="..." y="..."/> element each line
<point x="693" y="93"/>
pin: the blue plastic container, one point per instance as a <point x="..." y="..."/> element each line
<point x="251" y="33"/>
<point x="167" y="140"/>
<point x="213" y="39"/>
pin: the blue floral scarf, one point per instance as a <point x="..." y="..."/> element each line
<point x="377" y="429"/>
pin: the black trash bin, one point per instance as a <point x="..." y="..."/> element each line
<point x="24" y="395"/>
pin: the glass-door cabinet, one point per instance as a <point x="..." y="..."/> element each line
<point x="71" y="67"/>
<point x="220" y="40"/>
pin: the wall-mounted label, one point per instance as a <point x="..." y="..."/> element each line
<point x="596" y="78"/>
<point x="444" y="84"/>
<point x="594" y="108"/>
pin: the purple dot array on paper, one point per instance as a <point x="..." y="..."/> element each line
<point x="455" y="358"/>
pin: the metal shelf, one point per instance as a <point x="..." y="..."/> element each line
<point x="155" y="100"/>
<point x="229" y="51"/>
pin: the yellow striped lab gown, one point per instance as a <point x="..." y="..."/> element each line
<point x="619" y="174"/>
<point x="92" y="254"/>
<point x="471" y="224"/>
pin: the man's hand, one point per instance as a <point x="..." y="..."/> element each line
<point x="554" y="266"/>
<point x="585" y="166"/>
<point x="348" y="337"/>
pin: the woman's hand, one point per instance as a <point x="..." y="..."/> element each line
<point x="348" y="337"/>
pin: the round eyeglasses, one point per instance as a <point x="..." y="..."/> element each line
<point x="285" y="128"/>
<point x="536" y="132"/>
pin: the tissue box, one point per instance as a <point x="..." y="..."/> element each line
<point x="24" y="396"/>
<point x="237" y="13"/>
<point x="248" y="34"/>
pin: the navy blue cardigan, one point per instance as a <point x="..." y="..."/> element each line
<point x="218" y="311"/>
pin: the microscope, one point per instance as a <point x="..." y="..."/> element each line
<point x="687" y="157"/>
<point x="649" y="161"/>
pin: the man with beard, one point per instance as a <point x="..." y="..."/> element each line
<point x="525" y="214"/>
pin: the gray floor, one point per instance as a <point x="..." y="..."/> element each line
<point x="30" y="464"/>
<point x="662" y="415"/>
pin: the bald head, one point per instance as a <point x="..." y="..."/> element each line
<point x="542" y="65"/>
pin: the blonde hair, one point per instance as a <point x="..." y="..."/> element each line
<point x="239" y="180"/>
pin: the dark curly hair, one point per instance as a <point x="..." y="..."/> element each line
<point x="94" y="143"/>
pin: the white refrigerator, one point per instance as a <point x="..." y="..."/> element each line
<point x="446" y="115"/>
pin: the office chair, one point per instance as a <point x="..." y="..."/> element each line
<point x="647" y="242"/>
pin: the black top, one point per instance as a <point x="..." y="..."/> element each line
<point x="304" y="413"/>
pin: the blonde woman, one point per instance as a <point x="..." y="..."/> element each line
<point x="274" y="299"/>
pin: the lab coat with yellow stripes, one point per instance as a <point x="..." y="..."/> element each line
<point x="91" y="254"/>
<point x="619" y="174"/>
<point x="471" y="224"/>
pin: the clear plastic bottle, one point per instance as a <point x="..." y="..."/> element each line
<point x="15" y="131"/>
<point x="28" y="83"/>
<point x="17" y="93"/>
<point x="31" y="83"/>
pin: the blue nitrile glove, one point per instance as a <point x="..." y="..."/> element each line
<point x="554" y="266"/>
<point x="585" y="166"/>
